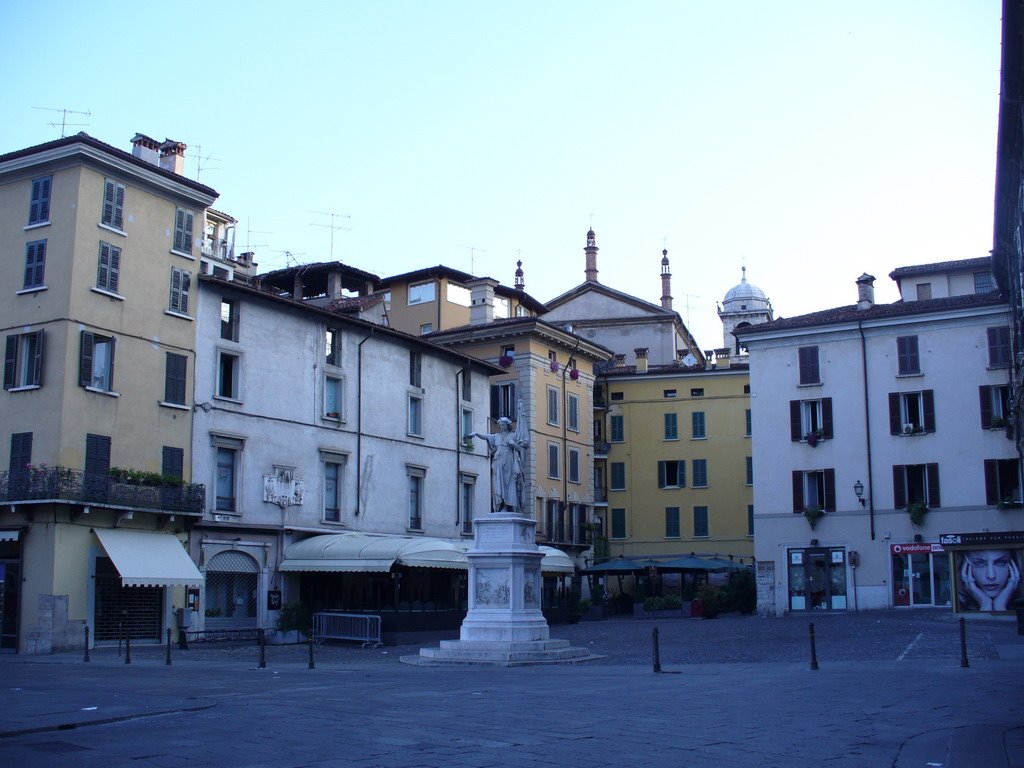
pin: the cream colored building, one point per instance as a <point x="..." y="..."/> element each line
<point x="99" y="329"/>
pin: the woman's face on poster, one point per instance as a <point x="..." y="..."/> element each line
<point x="990" y="569"/>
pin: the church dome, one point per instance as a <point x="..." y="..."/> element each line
<point x="745" y="296"/>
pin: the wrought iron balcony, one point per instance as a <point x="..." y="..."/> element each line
<point x="219" y="249"/>
<point x="61" y="484"/>
<point x="601" y="447"/>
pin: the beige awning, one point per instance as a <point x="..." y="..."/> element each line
<point x="149" y="559"/>
<point x="360" y="552"/>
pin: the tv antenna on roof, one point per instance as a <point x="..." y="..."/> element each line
<point x="473" y="251"/>
<point x="290" y="259"/>
<point x="332" y="226"/>
<point x="64" y="118"/>
<point x="249" y="232"/>
<point x="199" y="161"/>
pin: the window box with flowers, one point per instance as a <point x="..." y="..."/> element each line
<point x="814" y="437"/>
<point x="574" y="374"/>
<point x="813" y="515"/>
<point x="505" y="361"/>
<point x="917" y="511"/>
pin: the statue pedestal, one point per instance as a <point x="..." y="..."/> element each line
<point x="504" y="625"/>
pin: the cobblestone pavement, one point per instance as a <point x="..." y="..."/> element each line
<point x="735" y="691"/>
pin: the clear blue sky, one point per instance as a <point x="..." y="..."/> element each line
<point x="811" y="141"/>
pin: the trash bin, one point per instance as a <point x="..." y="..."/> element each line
<point x="1020" y="621"/>
<point x="697" y="609"/>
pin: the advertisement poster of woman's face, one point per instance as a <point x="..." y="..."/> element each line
<point x="989" y="579"/>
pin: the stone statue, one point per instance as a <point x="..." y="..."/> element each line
<point x="507" y="450"/>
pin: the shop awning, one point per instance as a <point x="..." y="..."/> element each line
<point x="360" y="552"/>
<point x="9" y="535"/>
<point x="149" y="559"/>
<point x="365" y="553"/>
<point x="555" y="561"/>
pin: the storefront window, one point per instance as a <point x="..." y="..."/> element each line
<point x="817" y="579"/>
<point x="920" y="575"/>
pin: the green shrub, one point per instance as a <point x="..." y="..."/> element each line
<point x="743" y="591"/>
<point x="663" y="603"/>
<point x="714" y="600"/>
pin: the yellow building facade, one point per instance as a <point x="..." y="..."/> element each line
<point x="678" y="466"/>
<point x="99" y="334"/>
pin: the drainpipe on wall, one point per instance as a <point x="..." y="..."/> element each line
<point x="359" y="419"/>
<point x="867" y="428"/>
<point x="458" y="444"/>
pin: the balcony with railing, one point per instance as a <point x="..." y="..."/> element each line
<point x="73" y="485"/>
<point x="218" y="248"/>
<point x="601" y="447"/>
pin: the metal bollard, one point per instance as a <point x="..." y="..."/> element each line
<point x="963" y="644"/>
<point x="311" y="664"/>
<point x="87" y="643"/>
<point x="127" y="648"/>
<point x="657" y="652"/>
<point x="814" y="651"/>
<point x="168" y="662"/>
<point x="263" y="650"/>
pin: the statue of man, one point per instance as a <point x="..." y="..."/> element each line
<point x="508" y="451"/>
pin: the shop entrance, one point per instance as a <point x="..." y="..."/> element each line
<point x="817" y="579"/>
<point x="121" y="611"/>
<point x="920" y="575"/>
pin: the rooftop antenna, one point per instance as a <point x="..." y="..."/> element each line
<point x="473" y="250"/>
<point x="249" y="232"/>
<point x="290" y="258"/>
<point x="64" y="124"/>
<point x="200" y="158"/>
<point x="332" y="226"/>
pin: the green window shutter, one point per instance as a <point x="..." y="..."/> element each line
<point x="85" y="359"/>
<point x="10" y="361"/>
<point x="37" y="360"/>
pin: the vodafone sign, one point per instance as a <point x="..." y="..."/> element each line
<point x="915" y="549"/>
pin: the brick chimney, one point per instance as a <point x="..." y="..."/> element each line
<point x="641" y="359"/>
<point x="666" y="282"/>
<point x="172" y="156"/>
<point x="865" y="291"/>
<point x="481" y="300"/>
<point x="146" y="149"/>
<point x="591" y="251"/>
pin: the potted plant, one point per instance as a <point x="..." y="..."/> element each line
<point x="468" y="444"/>
<point x="917" y="510"/>
<point x="554" y="366"/>
<point x="813" y="515"/>
<point x="574" y="374"/>
<point x="295" y="619"/>
<point x="813" y="437"/>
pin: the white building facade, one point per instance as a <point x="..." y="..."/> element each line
<point x="897" y="468"/>
<point x="309" y="423"/>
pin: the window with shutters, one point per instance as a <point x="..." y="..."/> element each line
<point x="671" y="426"/>
<point x="672" y="474"/>
<point x="97" y="466"/>
<point x="698" y="426"/>
<point x="19" y="474"/>
<point x="748" y="423"/>
<point x="573" y="406"/>
<point x="181" y="282"/>
<point x="672" y="522"/>
<point x="35" y="266"/>
<point x="175" y="373"/>
<point x="574" y="465"/>
<point x="618" y="523"/>
<point x="108" y="268"/>
<point x="700" y="473"/>
<point x="999" y="353"/>
<point x="907" y="356"/>
<point x="503" y="400"/>
<point x="809" y="370"/>
<point x="700" y="522"/>
<point x="467" y="494"/>
<point x="183" y="232"/>
<point x="616" y="428"/>
<point x="1003" y="482"/>
<point x="552" y="394"/>
<point x="750" y="519"/>
<point x="995" y="406"/>
<point x="915" y="484"/>
<point x="96" y="362"/>
<point x="39" y="204"/>
<point x="112" y="214"/>
<point x="814" y="488"/>
<point x="23" y="361"/>
<point x="554" y="463"/>
<point x="911" y="413"/>
<point x="173" y="462"/>
<point x="617" y="471"/>
<point x="750" y="470"/>
<point x="810" y="420"/>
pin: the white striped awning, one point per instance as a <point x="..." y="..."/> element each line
<point x="360" y="552"/>
<point x="149" y="559"/>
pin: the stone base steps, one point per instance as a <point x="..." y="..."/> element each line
<point x="494" y="653"/>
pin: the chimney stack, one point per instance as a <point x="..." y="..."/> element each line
<point x="620" y="361"/>
<point x="591" y="251"/>
<point x="172" y="156"/>
<point x="666" y="281"/>
<point x="481" y="300"/>
<point x="146" y="149"/>
<point x="865" y="291"/>
<point x="641" y="359"/>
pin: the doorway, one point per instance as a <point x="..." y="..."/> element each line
<point x="817" y="579"/>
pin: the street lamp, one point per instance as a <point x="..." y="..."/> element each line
<point x="858" y="488"/>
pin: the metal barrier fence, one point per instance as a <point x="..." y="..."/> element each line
<point x="362" y="628"/>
